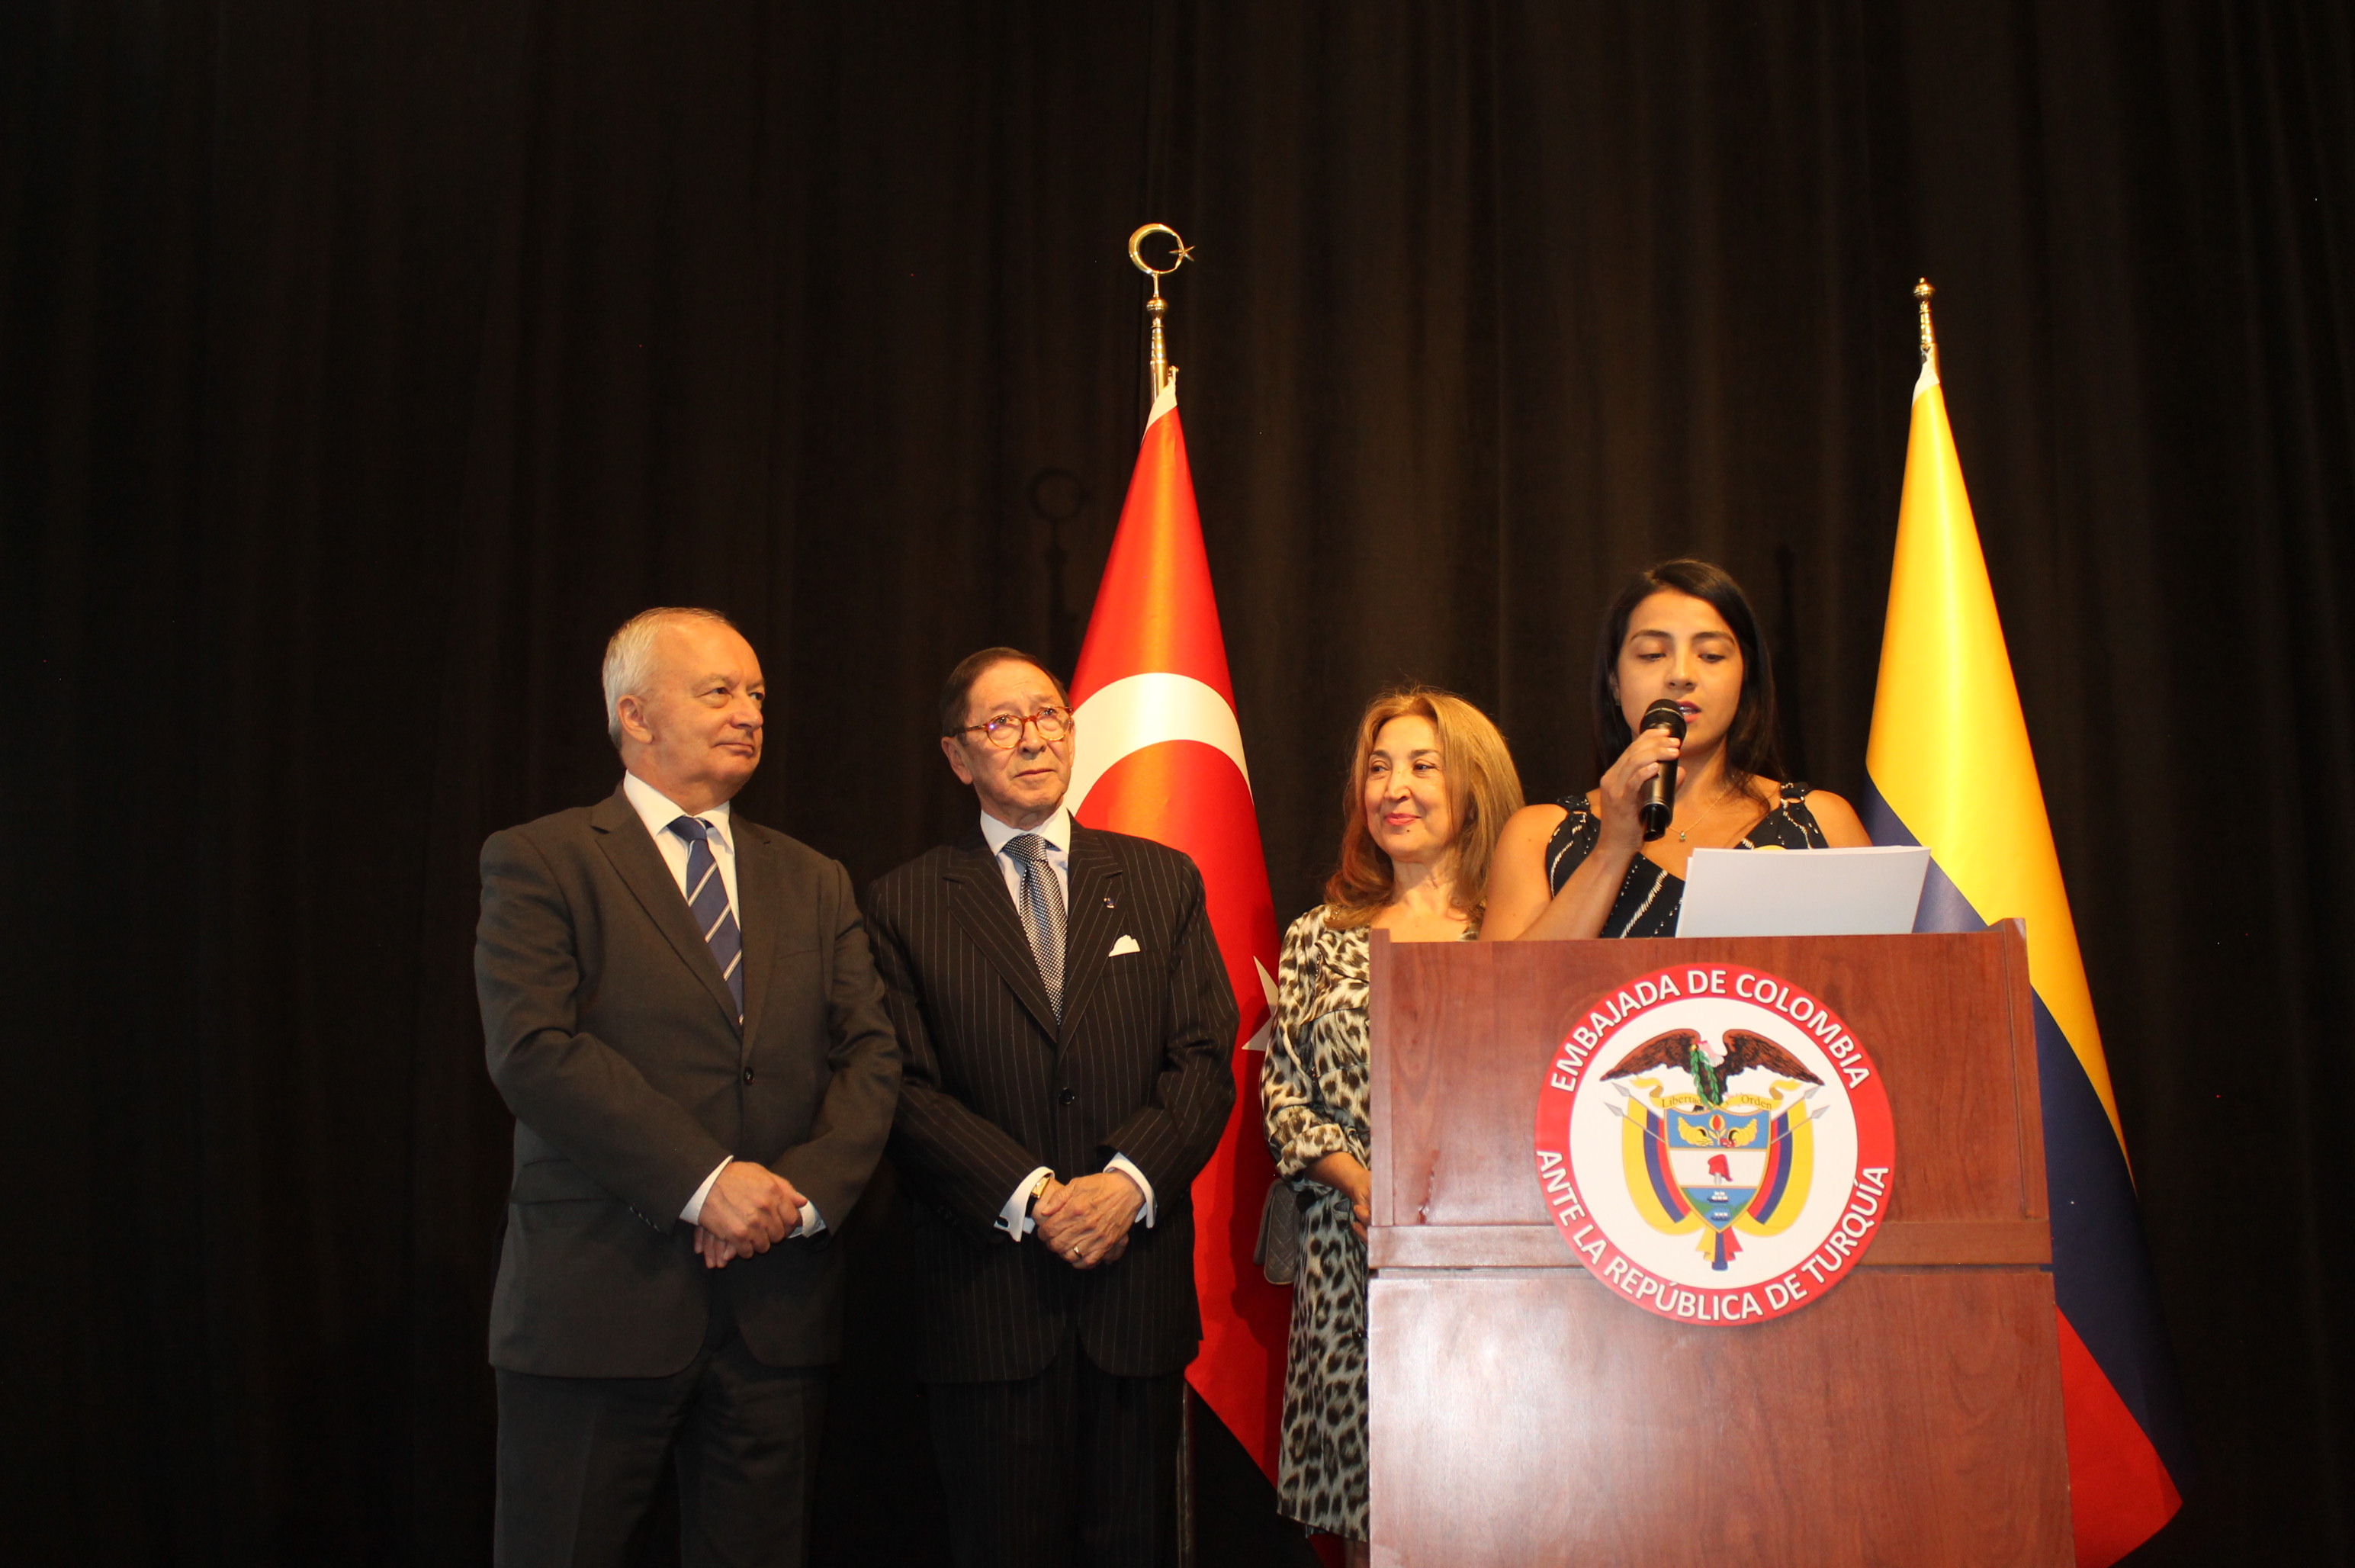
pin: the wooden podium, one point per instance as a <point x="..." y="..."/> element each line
<point x="1525" y="1413"/>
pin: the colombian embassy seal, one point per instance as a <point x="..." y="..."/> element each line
<point x="1715" y="1144"/>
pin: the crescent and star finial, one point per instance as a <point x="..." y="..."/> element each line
<point x="1136" y="253"/>
<point x="1158" y="371"/>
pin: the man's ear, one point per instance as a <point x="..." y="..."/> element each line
<point x="956" y="754"/>
<point x="631" y="712"/>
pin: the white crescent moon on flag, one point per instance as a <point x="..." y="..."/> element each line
<point x="1141" y="710"/>
<point x="1258" y="1042"/>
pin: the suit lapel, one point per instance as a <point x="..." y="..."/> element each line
<point x="760" y="913"/>
<point x="977" y="894"/>
<point x="1093" y="918"/>
<point x="621" y="835"/>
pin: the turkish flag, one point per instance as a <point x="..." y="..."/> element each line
<point x="1160" y="756"/>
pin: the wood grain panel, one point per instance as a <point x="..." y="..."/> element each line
<point x="1916" y="1242"/>
<point x="2028" y="1100"/>
<point x="1523" y="1413"/>
<point x="1468" y="1246"/>
<point x="1528" y="1417"/>
<point x="1463" y="1032"/>
<point x="1897" y="1243"/>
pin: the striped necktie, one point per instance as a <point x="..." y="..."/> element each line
<point x="706" y="896"/>
<point x="1041" y="903"/>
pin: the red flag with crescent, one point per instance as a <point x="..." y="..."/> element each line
<point x="1161" y="756"/>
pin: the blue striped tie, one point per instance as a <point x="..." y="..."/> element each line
<point x="706" y="896"/>
<point x="1041" y="906"/>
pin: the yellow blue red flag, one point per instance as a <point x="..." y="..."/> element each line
<point x="1950" y="768"/>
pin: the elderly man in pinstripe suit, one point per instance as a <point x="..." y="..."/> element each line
<point x="1067" y="1022"/>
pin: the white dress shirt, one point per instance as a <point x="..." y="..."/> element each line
<point x="1015" y="1217"/>
<point x="658" y="811"/>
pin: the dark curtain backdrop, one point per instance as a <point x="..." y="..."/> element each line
<point x="364" y="364"/>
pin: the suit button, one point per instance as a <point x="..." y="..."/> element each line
<point x="1068" y="1097"/>
<point x="748" y="1075"/>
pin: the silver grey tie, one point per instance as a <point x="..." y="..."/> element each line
<point x="1041" y="903"/>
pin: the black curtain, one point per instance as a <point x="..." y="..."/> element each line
<point x="362" y="365"/>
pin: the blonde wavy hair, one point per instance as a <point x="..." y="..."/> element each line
<point x="1483" y="789"/>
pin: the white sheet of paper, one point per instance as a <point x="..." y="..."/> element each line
<point x="1802" y="892"/>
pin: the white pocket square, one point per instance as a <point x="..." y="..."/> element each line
<point x="1126" y="944"/>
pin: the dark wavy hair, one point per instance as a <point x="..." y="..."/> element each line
<point x="1753" y="746"/>
<point x="956" y="692"/>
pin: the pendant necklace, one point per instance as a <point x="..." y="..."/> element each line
<point x="1682" y="834"/>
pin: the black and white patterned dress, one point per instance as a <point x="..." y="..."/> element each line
<point x="1313" y="1091"/>
<point x="1650" y="897"/>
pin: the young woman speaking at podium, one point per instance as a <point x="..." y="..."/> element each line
<point x="1684" y="712"/>
<point x="1430" y="788"/>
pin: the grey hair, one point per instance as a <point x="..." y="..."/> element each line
<point x="630" y="657"/>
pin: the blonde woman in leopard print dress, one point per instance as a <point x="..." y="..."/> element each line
<point x="1430" y="788"/>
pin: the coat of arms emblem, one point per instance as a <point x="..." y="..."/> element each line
<point x="1714" y="1144"/>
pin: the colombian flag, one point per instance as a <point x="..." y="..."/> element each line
<point x="1950" y="768"/>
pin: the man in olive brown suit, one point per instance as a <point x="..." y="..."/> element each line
<point x="679" y="1008"/>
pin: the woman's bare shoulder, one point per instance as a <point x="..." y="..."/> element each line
<point x="1534" y="822"/>
<point x="1838" y="820"/>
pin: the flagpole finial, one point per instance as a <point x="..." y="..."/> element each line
<point x="1156" y="306"/>
<point x="1922" y="291"/>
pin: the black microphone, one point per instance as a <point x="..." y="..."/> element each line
<point x="1660" y="790"/>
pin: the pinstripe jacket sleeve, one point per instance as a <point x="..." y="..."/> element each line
<point x="961" y="1157"/>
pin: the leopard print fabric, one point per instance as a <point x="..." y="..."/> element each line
<point x="1313" y="1094"/>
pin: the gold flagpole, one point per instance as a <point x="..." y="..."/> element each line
<point x="1922" y="291"/>
<point x="1159" y="369"/>
<point x="1160" y="372"/>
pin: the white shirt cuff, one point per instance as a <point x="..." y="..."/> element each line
<point x="693" y="1212"/>
<point x="1015" y="1217"/>
<point x="1126" y="1167"/>
<point x="812" y="1221"/>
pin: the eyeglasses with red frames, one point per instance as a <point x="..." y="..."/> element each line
<point x="1004" y="731"/>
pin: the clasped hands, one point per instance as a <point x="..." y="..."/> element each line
<point x="1086" y="1223"/>
<point x="749" y="1209"/>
